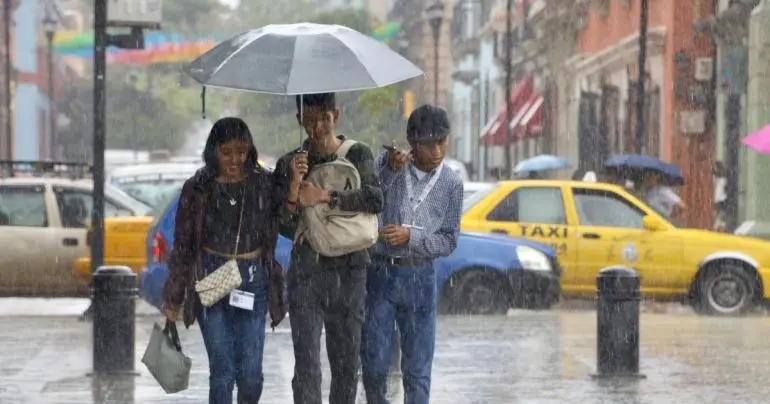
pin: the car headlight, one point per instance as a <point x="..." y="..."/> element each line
<point x="532" y="259"/>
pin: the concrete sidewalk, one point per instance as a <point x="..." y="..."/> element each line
<point x="525" y="357"/>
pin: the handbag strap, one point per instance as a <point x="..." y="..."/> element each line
<point x="240" y="220"/>
<point x="171" y="331"/>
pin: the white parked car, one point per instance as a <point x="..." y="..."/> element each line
<point x="43" y="229"/>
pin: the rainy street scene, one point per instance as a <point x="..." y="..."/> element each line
<point x="384" y="201"/>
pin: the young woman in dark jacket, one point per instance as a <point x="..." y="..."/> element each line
<point x="207" y="224"/>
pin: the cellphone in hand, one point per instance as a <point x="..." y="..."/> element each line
<point x="389" y="147"/>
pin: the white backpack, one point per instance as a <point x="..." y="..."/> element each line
<point x="333" y="232"/>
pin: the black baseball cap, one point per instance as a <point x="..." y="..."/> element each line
<point x="426" y="123"/>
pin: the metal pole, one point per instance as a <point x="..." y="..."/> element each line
<point x="436" y="37"/>
<point x="8" y="138"/>
<point x="640" y="96"/>
<point x="132" y="81"/>
<point x="51" y="100"/>
<point x="508" y="106"/>
<point x="733" y="113"/>
<point x="100" y="69"/>
<point x="134" y="138"/>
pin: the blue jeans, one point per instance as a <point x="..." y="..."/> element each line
<point x="234" y="337"/>
<point x="407" y="297"/>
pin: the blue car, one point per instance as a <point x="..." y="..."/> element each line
<point x="486" y="274"/>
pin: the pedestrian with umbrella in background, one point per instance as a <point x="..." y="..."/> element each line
<point x="539" y="166"/>
<point x="719" y="171"/>
<point x="660" y="196"/>
<point x="653" y="181"/>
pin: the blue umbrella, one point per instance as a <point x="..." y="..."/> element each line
<point x="636" y="164"/>
<point x="543" y="162"/>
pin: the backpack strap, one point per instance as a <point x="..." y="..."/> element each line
<point x="345" y="148"/>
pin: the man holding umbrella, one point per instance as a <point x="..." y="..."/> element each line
<point x="325" y="291"/>
<point x="419" y="223"/>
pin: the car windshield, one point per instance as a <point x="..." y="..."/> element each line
<point x="478" y="195"/>
<point x="122" y="198"/>
<point x="171" y="194"/>
<point x="152" y="193"/>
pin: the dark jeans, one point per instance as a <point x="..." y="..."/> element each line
<point x="331" y="297"/>
<point x="235" y="338"/>
<point x="406" y="296"/>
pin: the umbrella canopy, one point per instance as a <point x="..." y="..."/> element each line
<point x="543" y="162"/>
<point x="303" y="58"/>
<point x="759" y="140"/>
<point x="633" y="166"/>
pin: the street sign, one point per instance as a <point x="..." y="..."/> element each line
<point x="135" y="13"/>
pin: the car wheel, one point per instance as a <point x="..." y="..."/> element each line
<point x="479" y="291"/>
<point x="726" y="289"/>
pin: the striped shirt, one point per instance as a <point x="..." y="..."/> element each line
<point x="437" y="217"/>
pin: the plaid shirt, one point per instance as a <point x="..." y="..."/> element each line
<point x="438" y="216"/>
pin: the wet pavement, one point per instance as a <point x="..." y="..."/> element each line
<point x="525" y="357"/>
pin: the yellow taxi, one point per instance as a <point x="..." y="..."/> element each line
<point x="596" y="225"/>
<point x="124" y="239"/>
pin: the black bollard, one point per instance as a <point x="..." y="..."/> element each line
<point x="617" y="323"/>
<point x="114" y="297"/>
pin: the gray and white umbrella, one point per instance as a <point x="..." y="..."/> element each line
<point x="302" y="58"/>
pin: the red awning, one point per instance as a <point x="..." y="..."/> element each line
<point x="531" y="124"/>
<point x="493" y="133"/>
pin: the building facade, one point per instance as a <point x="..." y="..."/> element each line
<point x="678" y="93"/>
<point x="7" y="79"/>
<point x="729" y="28"/>
<point x="420" y="49"/>
<point x="464" y="94"/>
<point x="538" y="53"/>
<point x="35" y="117"/>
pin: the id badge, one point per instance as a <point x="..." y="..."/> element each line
<point x="242" y="300"/>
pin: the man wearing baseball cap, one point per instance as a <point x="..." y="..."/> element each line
<point x="420" y="222"/>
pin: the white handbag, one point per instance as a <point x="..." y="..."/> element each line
<point x="226" y="278"/>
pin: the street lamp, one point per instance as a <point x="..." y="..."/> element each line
<point x="49" y="25"/>
<point x="434" y="13"/>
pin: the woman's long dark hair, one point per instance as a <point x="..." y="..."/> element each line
<point x="223" y="131"/>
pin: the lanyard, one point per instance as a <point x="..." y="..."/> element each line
<point x="425" y="191"/>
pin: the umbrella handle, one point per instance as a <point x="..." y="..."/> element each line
<point x="301" y="117"/>
<point x="203" y="102"/>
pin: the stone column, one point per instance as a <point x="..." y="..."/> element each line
<point x="758" y="110"/>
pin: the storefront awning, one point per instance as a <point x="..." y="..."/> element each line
<point x="526" y="116"/>
<point x="531" y="124"/>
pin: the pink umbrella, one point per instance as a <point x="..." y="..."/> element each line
<point x="759" y="140"/>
